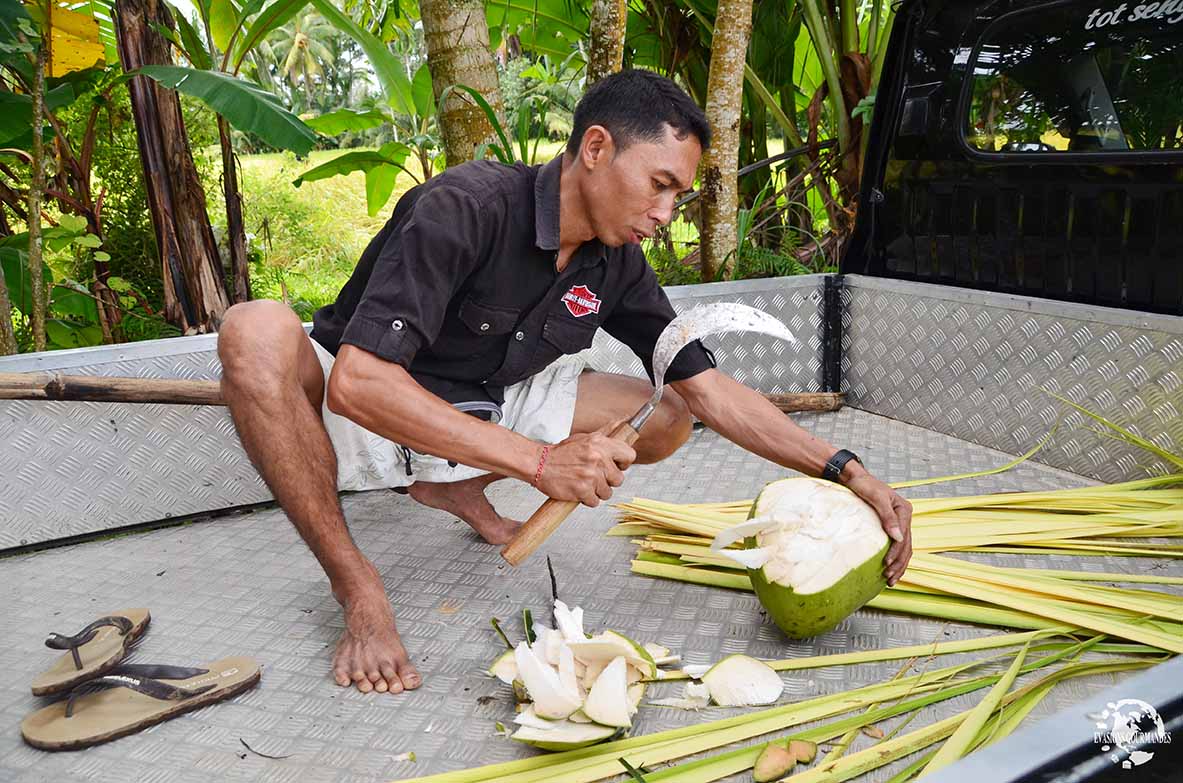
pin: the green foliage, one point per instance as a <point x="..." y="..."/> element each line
<point x="309" y="238"/>
<point x="550" y="27"/>
<point x="670" y="269"/>
<point x="381" y="168"/>
<point x="244" y="105"/>
<point x="387" y="67"/>
<point x="342" y="120"/>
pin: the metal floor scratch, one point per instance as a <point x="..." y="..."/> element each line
<point x="244" y="584"/>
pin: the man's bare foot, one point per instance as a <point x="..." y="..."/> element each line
<point x="370" y="655"/>
<point x="466" y="499"/>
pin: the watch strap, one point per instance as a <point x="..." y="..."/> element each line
<point x="835" y="464"/>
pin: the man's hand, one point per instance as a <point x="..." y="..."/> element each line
<point x="895" y="513"/>
<point x="586" y="466"/>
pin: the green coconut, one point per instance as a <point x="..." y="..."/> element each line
<point x="814" y="552"/>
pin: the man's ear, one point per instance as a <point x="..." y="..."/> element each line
<point x="597" y="147"/>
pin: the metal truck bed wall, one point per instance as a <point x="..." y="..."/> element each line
<point x="959" y="362"/>
<point x="939" y="381"/>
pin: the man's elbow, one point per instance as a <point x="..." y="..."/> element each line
<point x="696" y="393"/>
<point x="346" y="383"/>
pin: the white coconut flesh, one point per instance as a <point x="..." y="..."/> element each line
<point x="607" y="702"/>
<point x="608" y="645"/>
<point x="567" y="676"/>
<point x="564" y="735"/>
<point x="528" y="717"/>
<point x="551" y="699"/>
<point x="580" y="690"/>
<point x="741" y="681"/>
<point x="809" y="534"/>
<point x="547" y="644"/>
<point x="569" y="621"/>
<point x="695" y="696"/>
<point x="505" y="668"/>
<point x="636" y="692"/>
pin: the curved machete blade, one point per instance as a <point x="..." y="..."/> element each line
<point x="710" y="319"/>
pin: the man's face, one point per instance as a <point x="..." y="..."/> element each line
<point x="632" y="191"/>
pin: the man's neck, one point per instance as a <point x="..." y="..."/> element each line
<point x="574" y="228"/>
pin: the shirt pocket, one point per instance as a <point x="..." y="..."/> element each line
<point x="487" y="319"/>
<point x="569" y="335"/>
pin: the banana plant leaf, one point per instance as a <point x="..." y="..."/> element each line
<point x="381" y="166"/>
<point x="16" y="276"/>
<point x="245" y="106"/>
<point x="61" y="333"/>
<point x="223" y="21"/>
<point x="421" y="92"/>
<point x="269" y="19"/>
<point x="343" y="120"/>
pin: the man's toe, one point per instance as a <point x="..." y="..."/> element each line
<point x="409" y="677"/>
<point x="390" y="675"/>
<point x="362" y="681"/>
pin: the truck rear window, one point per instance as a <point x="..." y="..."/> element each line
<point x="1079" y="77"/>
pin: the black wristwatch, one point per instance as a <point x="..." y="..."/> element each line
<point x="836" y="463"/>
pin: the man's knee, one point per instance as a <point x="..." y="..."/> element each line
<point x="258" y="339"/>
<point x="667" y="429"/>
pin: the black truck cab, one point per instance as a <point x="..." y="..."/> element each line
<point x="1030" y="147"/>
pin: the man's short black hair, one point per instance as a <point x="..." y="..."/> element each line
<point x="636" y="105"/>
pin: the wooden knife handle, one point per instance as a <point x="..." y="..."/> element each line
<point x="551" y="514"/>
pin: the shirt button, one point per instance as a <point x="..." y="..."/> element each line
<point x="484" y="327"/>
<point x="520" y="336"/>
<point x="397" y="325"/>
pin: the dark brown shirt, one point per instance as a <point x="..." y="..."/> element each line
<point x="460" y="287"/>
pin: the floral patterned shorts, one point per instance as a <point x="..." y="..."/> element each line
<point x="541" y="408"/>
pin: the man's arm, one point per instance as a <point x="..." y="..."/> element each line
<point x="383" y="397"/>
<point x="746" y="418"/>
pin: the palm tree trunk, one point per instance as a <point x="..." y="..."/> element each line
<point x="240" y="270"/>
<point x="720" y="164"/>
<point x="458" y="53"/>
<point x="194" y="293"/>
<point x="605" y="54"/>
<point x="37" y="185"/>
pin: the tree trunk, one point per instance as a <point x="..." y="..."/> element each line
<point x="194" y="293"/>
<point x="720" y="164"/>
<point x="37" y="186"/>
<point x="240" y="270"/>
<point x="605" y="54"/>
<point x="458" y="53"/>
<point x="7" y="338"/>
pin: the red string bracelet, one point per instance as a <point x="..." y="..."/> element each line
<point x="541" y="464"/>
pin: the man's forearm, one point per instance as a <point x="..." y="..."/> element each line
<point x="386" y="400"/>
<point x="747" y="419"/>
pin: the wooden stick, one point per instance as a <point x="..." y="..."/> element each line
<point x="551" y="514"/>
<point x="90" y="388"/>
<point x="172" y="391"/>
<point x="812" y="401"/>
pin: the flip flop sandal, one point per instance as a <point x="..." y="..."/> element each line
<point x="94" y="650"/>
<point x="133" y="697"/>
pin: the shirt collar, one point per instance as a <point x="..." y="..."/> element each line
<point x="546" y="215"/>
<point x="546" y="205"/>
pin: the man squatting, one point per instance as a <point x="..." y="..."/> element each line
<point x="448" y="361"/>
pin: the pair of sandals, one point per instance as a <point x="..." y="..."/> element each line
<point x="107" y="699"/>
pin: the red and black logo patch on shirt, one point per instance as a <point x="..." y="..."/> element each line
<point x="581" y="300"/>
